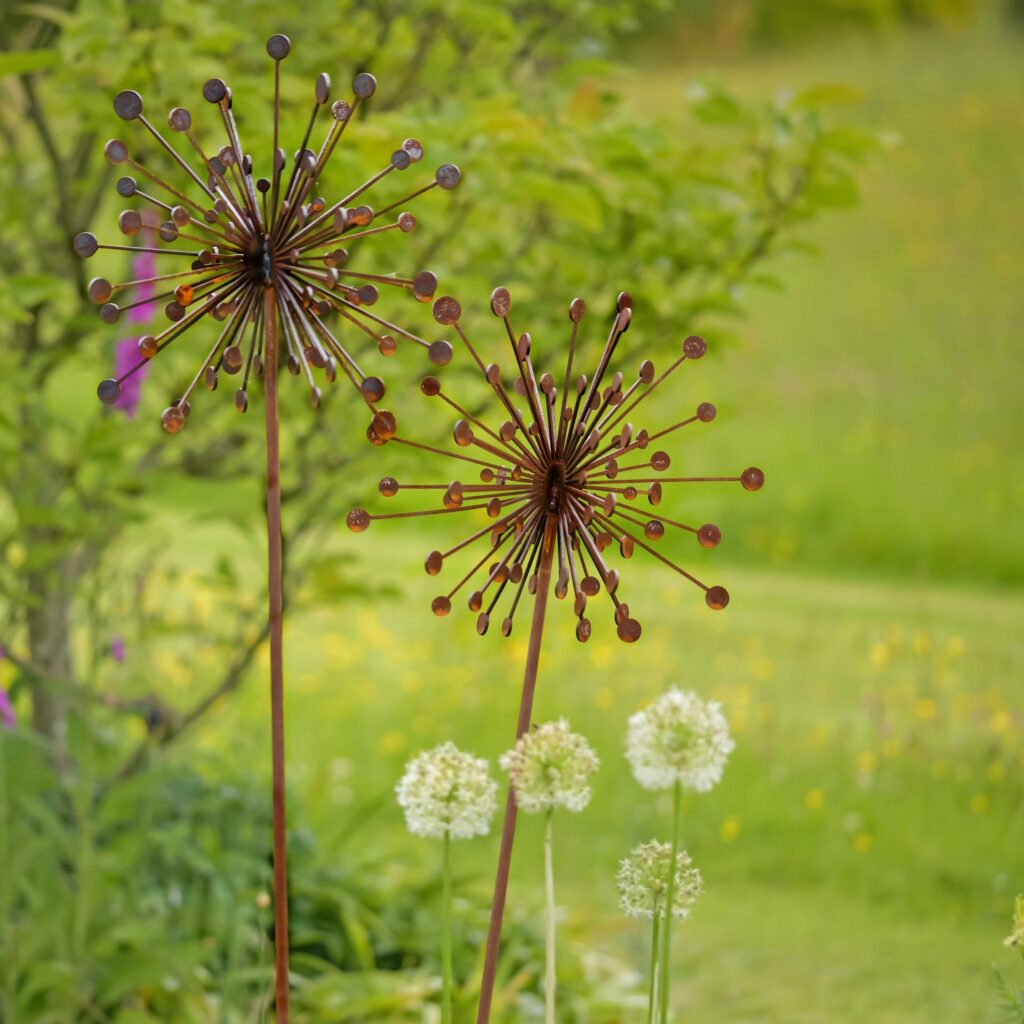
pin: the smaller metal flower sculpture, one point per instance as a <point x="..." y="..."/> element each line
<point x="263" y="257"/>
<point x="559" y="479"/>
<point x="248" y="237"/>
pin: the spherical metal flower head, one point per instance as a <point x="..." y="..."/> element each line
<point x="679" y="738"/>
<point x="445" y="791"/>
<point x="560" y="472"/>
<point x="241" y="236"/>
<point x="642" y="882"/>
<point x="551" y="766"/>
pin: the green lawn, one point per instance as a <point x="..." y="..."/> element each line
<point x="862" y="854"/>
<point x="883" y="383"/>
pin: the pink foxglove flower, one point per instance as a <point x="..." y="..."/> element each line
<point x="126" y="351"/>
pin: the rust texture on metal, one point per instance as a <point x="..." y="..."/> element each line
<point x="239" y="234"/>
<point x="557" y="460"/>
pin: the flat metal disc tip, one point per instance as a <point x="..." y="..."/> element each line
<point x="99" y="290"/>
<point x="424" y="285"/>
<point x="372" y="389"/>
<point x="577" y="309"/>
<point x="501" y="301"/>
<point x="115" y="152"/>
<point x="172" y="419"/>
<point x="364" y="85"/>
<point x="383" y="425"/>
<point x="179" y="119"/>
<point x="447" y="310"/>
<point x="128" y="105"/>
<point x="716" y="598"/>
<point x="709" y="536"/>
<point x="440" y="353"/>
<point x="448" y="176"/>
<point x="358" y="520"/>
<point x="279" y="46"/>
<point x="694" y="347"/>
<point x="629" y="631"/>
<point x="752" y="479"/>
<point x="85" y="244"/>
<point x="214" y="90"/>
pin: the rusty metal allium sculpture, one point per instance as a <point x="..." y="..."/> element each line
<point x="559" y="479"/>
<point x="264" y="257"/>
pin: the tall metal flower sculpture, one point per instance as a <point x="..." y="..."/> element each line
<point x="559" y="479"/>
<point x="264" y="256"/>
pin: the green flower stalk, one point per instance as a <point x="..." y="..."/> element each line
<point x="550" y="767"/>
<point x="447" y="794"/>
<point x="678" y="742"/>
<point x="647" y="887"/>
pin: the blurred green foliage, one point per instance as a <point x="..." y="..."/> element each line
<point x="149" y="902"/>
<point x="743" y="26"/>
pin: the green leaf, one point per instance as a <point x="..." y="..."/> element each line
<point x="23" y="62"/>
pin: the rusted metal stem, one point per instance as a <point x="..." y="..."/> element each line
<point x="508" y="831"/>
<point x="275" y="616"/>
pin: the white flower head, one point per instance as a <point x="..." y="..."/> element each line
<point x="1016" y="937"/>
<point x="550" y="766"/>
<point x="446" y="791"/>
<point x="642" y="881"/>
<point x="678" y="738"/>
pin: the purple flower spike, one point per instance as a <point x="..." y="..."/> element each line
<point x="126" y="352"/>
<point x="8" y="719"/>
<point x="117" y="648"/>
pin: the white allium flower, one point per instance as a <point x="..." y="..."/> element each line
<point x="550" y="766"/>
<point x="642" y="881"/>
<point x="678" y="738"/>
<point x="1016" y="937"/>
<point x="447" y="791"/>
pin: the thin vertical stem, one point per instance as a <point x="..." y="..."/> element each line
<point x="7" y="932"/>
<point x="655" y="935"/>
<point x="446" y="932"/>
<point x="508" y="830"/>
<point x="670" y="895"/>
<point x="275" y="617"/>
<point x="549" y="921"/>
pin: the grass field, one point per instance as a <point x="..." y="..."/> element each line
<point x="862" y="854"/>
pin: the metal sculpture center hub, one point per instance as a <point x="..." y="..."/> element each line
<point x="260" y="259"/>
<point x="554" y="485"/>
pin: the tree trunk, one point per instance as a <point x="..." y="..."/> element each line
<point x="49" y="642"/>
